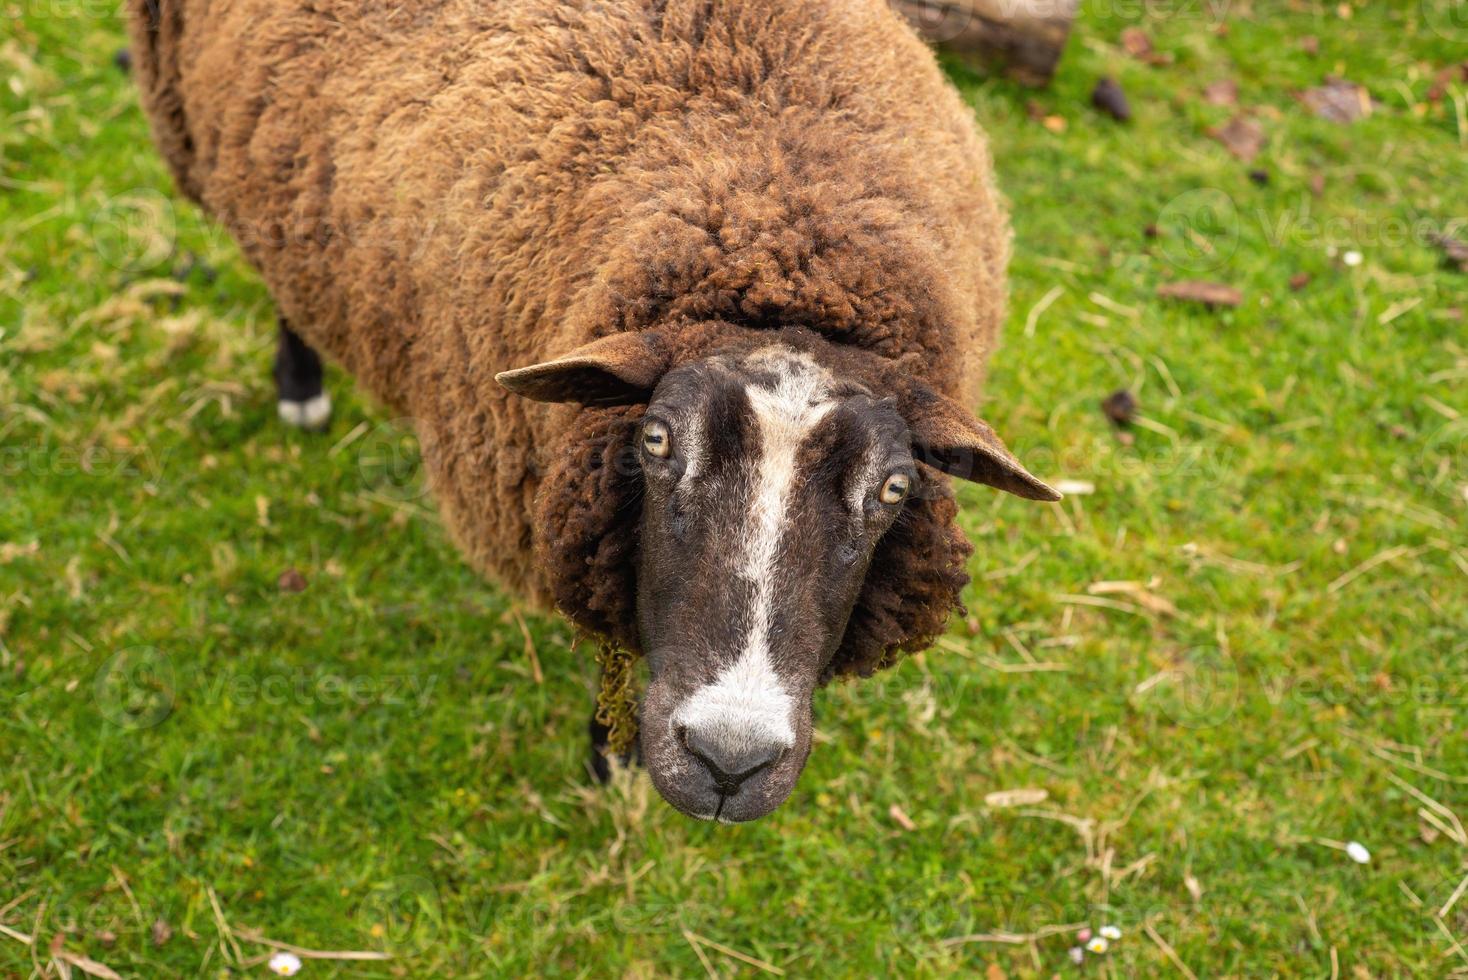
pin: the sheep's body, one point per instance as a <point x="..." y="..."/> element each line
<point x="435" y="193"/>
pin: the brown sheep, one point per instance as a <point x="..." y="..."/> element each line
<point x="772" y="221"/>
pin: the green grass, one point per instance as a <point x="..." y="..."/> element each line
<point x="370" y="764"/>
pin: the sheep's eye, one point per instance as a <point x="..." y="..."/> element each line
<point x="656" y="439"/>
<point x="894" y="490"/>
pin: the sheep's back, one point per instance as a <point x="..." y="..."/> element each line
<point x="437" y="191"/>
<point x="366" y="156"/>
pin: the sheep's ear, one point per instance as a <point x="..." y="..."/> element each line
<point x="617" y="370"/>
<point x="948" y="437"/>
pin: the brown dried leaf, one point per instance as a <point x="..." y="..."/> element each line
<point x="1136" y="43"/>
<point x="1299" y="281"/>
<point x="1110" y="99"/>
<point x="1120" y="407"/>
<point x="162" y="932"/>
<point x="1241" y="136"/>
<point x="1198" y="291"/>
<point x="1444" y="78"/>
<point x="1337" y="100"/>
<point x="1225" y="91"/>
<point x="291" y="580"/>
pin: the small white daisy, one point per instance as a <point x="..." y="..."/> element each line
<point x="1352" y="258"/>
<point x="1098" y="945"/>
<point x="285" y="964"/>
<point x="1357" y="852"/>
<point x="1111" y="932"/>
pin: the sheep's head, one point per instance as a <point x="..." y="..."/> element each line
<point x="770" y="474"/>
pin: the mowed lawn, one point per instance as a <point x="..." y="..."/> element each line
<point x="1237" y="646"/>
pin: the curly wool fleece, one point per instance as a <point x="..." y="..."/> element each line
<point x="437" y="192"/>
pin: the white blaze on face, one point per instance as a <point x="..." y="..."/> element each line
<point x="747" y="704"/>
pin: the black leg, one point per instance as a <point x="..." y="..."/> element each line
<point x="303" y="401"/>
<point x="601" y="768"/>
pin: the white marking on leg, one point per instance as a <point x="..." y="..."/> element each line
<point x="313" y="413"/>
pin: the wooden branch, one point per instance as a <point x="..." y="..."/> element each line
<point x="1023" y="38"/>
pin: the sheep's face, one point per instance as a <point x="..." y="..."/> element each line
<point x="768" y="480"/>
<point x="767" y="485"/>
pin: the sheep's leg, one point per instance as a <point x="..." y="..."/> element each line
<point x="303" y="402"/>
<point x="601" y="767"/>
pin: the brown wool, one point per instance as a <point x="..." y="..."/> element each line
<point x="438" y="192"/>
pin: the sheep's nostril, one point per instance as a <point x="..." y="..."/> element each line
<point x="731" y="764"/>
